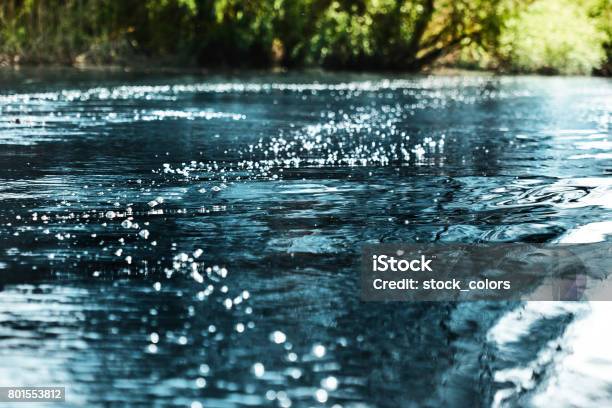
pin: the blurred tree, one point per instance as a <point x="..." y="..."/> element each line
<point x="234" y="32"/>
<point x="392" y="34"/>
<point x="555" y="36"/>
<point x="527" y="35"/>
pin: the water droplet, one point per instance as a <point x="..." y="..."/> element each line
<point x="278" y="337"/>
<point x="330" y="383"/>
<point x="295" y="373"/>
<point x="258" y="369"/>
<point x="227" y="303"/>
<point x="321" y="395"/>
<point x="318" y="350"/>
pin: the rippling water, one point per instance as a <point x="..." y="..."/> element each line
<point x="193" y="241"/>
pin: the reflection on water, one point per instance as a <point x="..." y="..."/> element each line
<point x="192" y="241"/>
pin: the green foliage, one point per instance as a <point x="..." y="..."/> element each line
<point x="361" y="34"/>
<point x="566" y="36"/>
<point x="556" y="36"/>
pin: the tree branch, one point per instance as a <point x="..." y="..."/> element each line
<point x="433" y="54"/>
<point x="419" y="29"/>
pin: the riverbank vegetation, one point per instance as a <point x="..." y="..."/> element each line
<point x="545" y="36"/>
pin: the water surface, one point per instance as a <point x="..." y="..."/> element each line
<point x="194" y="240"/>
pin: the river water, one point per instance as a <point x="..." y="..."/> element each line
<point x="193" y="240"/>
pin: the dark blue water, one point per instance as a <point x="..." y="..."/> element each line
<point x="194" y="240"/>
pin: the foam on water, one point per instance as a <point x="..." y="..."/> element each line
<point x="576" y="366"/>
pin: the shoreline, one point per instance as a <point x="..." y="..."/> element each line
<point x="143" y="69"/>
